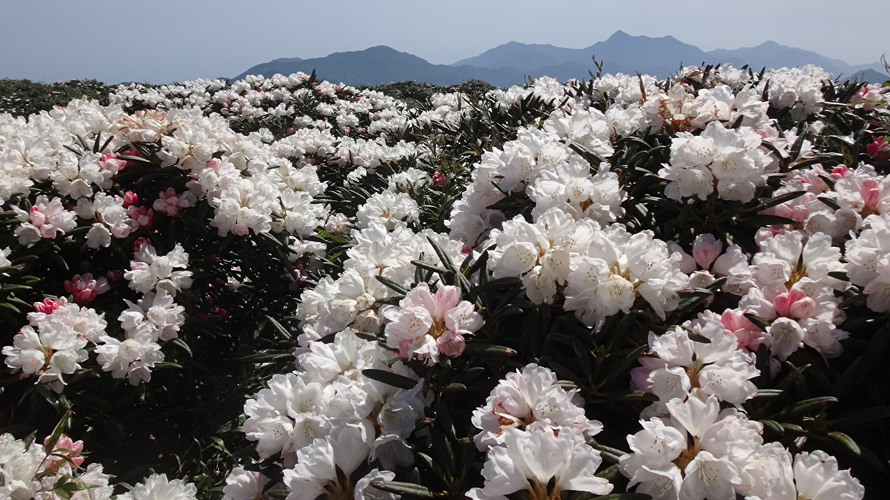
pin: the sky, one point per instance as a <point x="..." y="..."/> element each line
<point x="162" y="41"/>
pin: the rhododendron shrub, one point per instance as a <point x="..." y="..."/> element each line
<point x="290" y="288"/>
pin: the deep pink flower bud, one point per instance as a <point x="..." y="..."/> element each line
<point x="49" y="305"/>
<point x="137" y="245"/>
<point x="879" y="149"/>
<point x="840" y="171"/>
<point x="130" y="198"/>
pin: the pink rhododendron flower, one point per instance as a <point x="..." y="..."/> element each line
<point x="169" y="202"/>
<point x="66" y="449"/>
<point x="84" y="287"/>
<point x="426" y="325"/>
<point x="142" y="215"/>
<point x="49" y="305"/>
<point x="879" y="149"/>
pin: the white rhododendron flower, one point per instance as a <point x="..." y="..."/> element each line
<point x="868" y="264"/>
<point x="817" y="477"/>
<point x="529" y="400"/>
<point x="726" y="159"/>
<point x="616" y="268"/>
<point x="245" y="485"/>
<point x="695" y="455"/>
<point x="687" y="368"/>
<point x="530" y="461"/>
<point x="53" y="344"/>
<point x="158" y="487"/>
<point x="387" y="208"/>
<point x="150" y="271"/>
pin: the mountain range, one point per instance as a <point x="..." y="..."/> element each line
<point x="512" y="63"/>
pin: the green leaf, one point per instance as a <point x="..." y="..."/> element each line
<point x="773" y="426"/>
<point x="390" y="378"/>
<point x="278" y="326"/>
<point x="829" y="202"/>
<point x="695" y="337"/>
<point x="178" y="342"/>
<point x="757" y="321"/>
<point x="808" y="406"/>
<point x="392" y="285"/>
<point x="490" y="350"/>
<point x="58" y="431"/>
<point x="845" y="441"/>
<point x="782" y="198"/>
<point x="424" y="265"/>
<point x="410" y="489"/>
<point x="768" y="393"/>
<point x="443" y="256"/>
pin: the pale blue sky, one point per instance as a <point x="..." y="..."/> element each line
<point x="160" y="41"/>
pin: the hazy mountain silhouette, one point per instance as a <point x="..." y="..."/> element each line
<point x="511" y="63"/>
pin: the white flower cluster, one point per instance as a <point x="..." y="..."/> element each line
<point x="328" y="416"/>
<point x="31" y="471"/>
<point x="535" y="435"/>
<point x="155" y="317"/>
<point x="542" y="165"/>
<point x="350" y="301"/>
<point x="54" y="341"/>
<point x="700" y="452"/>
<point x="799" y="89"/>
<point x="685" y="368"/>
<point x="726" y="160"/>
<point x="599" y="271"/>
<point x="868" y="261"/>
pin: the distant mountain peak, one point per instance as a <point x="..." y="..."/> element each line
<point x="512" y="62"/>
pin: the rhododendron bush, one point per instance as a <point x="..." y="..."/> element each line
<point x="286" y="288"/>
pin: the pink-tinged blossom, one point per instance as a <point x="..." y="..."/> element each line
<point x="426" y="325"/>
<point x="142" y="215"/>
<point x="66" y="450"/>
<point x="879" y="148"/>
<point x="47" y="306"/>
<point x="45" y="219"/>
<point x="169" y="202"/>
<point x="84" y="288"/>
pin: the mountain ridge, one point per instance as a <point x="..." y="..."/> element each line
<point x="513" y="62"/>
